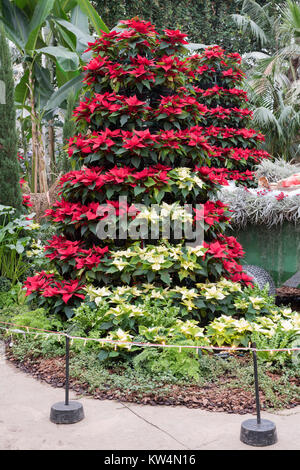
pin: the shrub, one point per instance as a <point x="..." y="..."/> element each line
<point x="14" y="297"/>
<point x="10" y="191"/>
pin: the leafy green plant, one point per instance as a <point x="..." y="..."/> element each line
<point x="182" y="364"/>
<point x="280" y="327"/>
<point x="274" y="381"/>
<point x="158" y="315"/>
<point x="5" y="284"/>
<point x="6" y="299"/>
<point x="29" y="343"/>
<point x="38" y="318"/>
<point x="123" y="378"/>
<point x="203" y="302"/>
<point x="15" y="236"/>
<point x="281" y="338"/>
<point x="14" y="297"/>
<point x="7" y="312"/>
<point x="27" y="346"/>
<point x="88" y="318"/>
<point x="50" y="60"/>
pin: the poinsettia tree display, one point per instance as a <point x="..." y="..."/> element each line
<point x="226" y="120"/>
<point x="147" y="138"/>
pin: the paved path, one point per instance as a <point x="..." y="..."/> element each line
<point x="108" y="425"/>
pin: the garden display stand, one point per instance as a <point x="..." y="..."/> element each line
<point x="67" y="412"/>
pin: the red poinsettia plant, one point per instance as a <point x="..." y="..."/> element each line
<point x="155" y="125"/>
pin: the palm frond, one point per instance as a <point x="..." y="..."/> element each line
<point x="288" y="51"/>
<point x="263" y="64"/>
<point x="265" y="119"/>
<point x="272" y="81"/>
<point x="255" y="55"/>
<point x="291" y="18"/>
<point x="286" y="116"/>
<point x="243" y="22"/>
<point x="257" y="12"/>
<point x="292" y="96"/>
<point x="261" y="85"/>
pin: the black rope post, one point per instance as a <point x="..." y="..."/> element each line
<point x="67" y="412"/>
<point x="67" y="370"/>
<point x="256" y="384"/>
<point x="258" y="432"/>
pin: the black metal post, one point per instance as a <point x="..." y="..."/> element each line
<point x="258" y="432"/>
<point x="67" y="370"/>
<point x="67" y="412"/>
<point x="256" y="384"/>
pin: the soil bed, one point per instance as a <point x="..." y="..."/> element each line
<point x="221" y="396"/>
<point x="288" y="296"/>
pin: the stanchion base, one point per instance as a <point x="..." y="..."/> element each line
<point x="66" y="414"/>
<point x="259" y="435"/>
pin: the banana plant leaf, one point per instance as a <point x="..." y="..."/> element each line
<point x="41" y="12"/>
<point x="68" y="60"/>
<point x="60" y="96"/>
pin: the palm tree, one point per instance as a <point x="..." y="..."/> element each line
<point x="273" y="76"/>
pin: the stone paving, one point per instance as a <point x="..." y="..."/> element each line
<point x="109" y="425"/>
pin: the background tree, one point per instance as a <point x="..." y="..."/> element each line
<point x="273" y="73"/>
<point x="10" y="192"/>
<point x="204" y="21"/>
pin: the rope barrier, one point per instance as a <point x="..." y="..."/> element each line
<point x="39" y="331"/>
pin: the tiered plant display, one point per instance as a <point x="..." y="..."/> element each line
<point x="149" y="128"/>
<point x="226" y="120"/>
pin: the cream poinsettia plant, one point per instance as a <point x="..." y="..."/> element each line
<point x="147" y="312"/>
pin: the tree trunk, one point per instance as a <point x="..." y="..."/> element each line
<point x="292" y="71"/>
<point x="51" y="147"/>
<point x="39" y="175"/>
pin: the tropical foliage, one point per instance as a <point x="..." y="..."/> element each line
<point x="50" y="37"/>
<point x="273" y="75"/>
